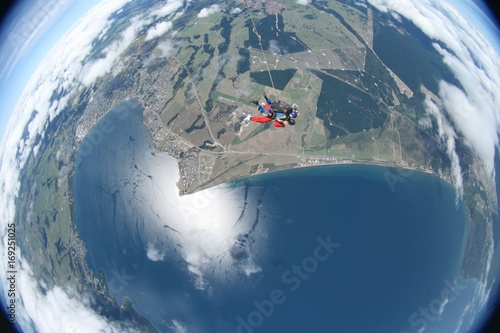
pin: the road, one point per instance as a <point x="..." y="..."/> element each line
<point x="202" y="110"/>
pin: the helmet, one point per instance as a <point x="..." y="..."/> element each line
<point x="294" y="114"/>
<point x="295" y="107"/>
<point x="263" y="104"/>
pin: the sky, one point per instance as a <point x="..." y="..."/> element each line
<point x="481" y="17"/>
<point x="25" y="42"/>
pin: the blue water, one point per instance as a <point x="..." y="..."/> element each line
<point x="398" y="237"/>
<point x="397" y="247"/>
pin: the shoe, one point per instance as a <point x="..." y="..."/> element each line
<point x="265" y="96"/>
<point x="255" y="102"/>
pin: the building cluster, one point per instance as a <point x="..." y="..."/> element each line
<point x="312" y="160"/>
<point x="188" y="170"/>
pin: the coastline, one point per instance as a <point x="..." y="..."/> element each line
<point x="392" y="167"/>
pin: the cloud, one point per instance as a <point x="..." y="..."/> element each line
<point x="57" y="72"/>
<point x="167" y="9"/>
<point x="472" y="122"/>
<point x="72" y="310"/>
<point x="274" y="47"/>
<point x="447" y="135"/>
<point x="461" y="319"/>
<point x="154" y="254"/>
<point x="481" y="296"/>
<point x="443" y="305"/>
<point x="235" y="11"/>
<point x="251" y="268"/>
<point x="165" y="48"/>
<point x="158" y="30"/>
<point x="475" y="109"/>
<point x="303" y="2"/>
<point x="178" y="327"/>
<point x="209" y="11"/>
<point x="30" y="22"/>
<point x="361" y="4"/>
<point x="102" y="66"/>
<point x="62" y="71"/>
<point x="425" y="122"/>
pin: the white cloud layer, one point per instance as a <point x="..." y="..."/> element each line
<point x="303" y="2"/>
<point x="36" y="18"/>
<point x="58" y="310"/>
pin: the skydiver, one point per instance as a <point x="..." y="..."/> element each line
<point x="282" y="112"/>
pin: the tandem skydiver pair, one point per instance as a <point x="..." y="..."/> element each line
<point x="281" y="112"/>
